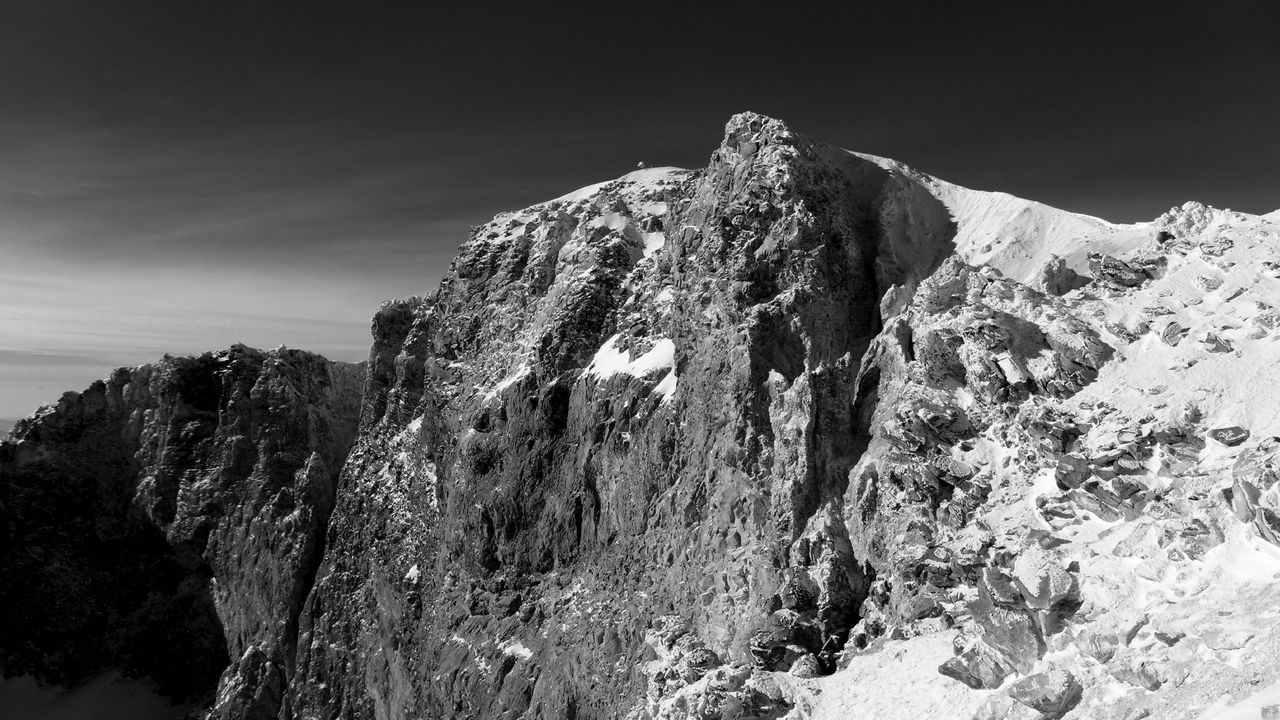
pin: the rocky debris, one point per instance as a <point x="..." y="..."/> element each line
<point x="1099" y="645"/>
<point x="1002" y="707"/>
<point x="726" y="693"/>
<point x="1190" y="538"/>
<point x="1000" y="642"/>
<point x="976" y="665"/>
<point x="1215" y="247"/>
<point x="1260" y="464"/>
<point x="787" y="637"/>
<point x="1254" y="495"/>
<point x="1052" y="693"/>
<point x="1126" y="334"/>
<point x="1008" y="341"/>
<point x="1056" y="278"/>
<point x="682" y="657"/>
<point x="1116" y="272"/>
<point x="1134" y="669"/>
<point x="1209" y="283"/>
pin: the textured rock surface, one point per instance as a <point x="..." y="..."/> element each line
<point x="168" y="521"/>
<point x="636" y="404"/>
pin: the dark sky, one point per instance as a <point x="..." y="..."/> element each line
<point x="177" y="176"/>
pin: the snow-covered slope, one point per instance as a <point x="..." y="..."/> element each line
<point x="1019" y="236"/>
<point x="638" y="180"/>
<point x="1177" y="614"/>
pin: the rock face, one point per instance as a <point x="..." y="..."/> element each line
<point x="704" y="444"/>
<point x="638" y="404"/>
<point x="168" y="521"/>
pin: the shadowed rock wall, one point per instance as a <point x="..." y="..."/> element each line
<point x="168" y="521"/>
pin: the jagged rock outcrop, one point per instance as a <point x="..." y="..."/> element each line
<point x="632" y="403"/>
<point x="167" y="521"/>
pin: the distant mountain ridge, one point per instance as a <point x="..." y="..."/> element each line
<point x="804" y="433"/>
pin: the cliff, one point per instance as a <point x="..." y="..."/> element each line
<point x="170" y="518"/>
<point x="624" y="409"/>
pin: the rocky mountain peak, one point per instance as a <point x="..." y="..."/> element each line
<point x="748" y="133"/>
<point x="804" y="433"/>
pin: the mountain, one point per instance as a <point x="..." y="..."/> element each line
<point x="171" y="517"/>
<point x="804" y="433"/>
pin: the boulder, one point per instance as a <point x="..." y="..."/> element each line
<point x="1073" y="469"/>
<point x="1229" y="436"/>
<point x="1057" y="279"/>
<point x="1172" y="333"/>
<point x="806" y="666"/>
<point x="976" y="664"/>
<point x="1116" y="272"/>
<point x="1058" y="511"/>
<point x="1052" y="693"/>
<point x="1000" y="587"/>
<point x="1098" y="500"/>
<point x="1013" y="635"/>
<point x="1215" y="344"/>
<point x="1259" y="465"/>
<point x="1193" y="537"/>
<point x="1132" y="668"/>
<point x="1243" y="498"/>
<point x="1267" y="523"/>
<point x="1100" y="646"/>
<point x="1041" y="578"/>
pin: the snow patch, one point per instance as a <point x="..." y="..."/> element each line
<point x="667" y="386"/>
<point x="508" y="381"/>
<point x="899" y="682"/>
<point x="609" y="360"/>
<point x="647" y="177"/>
<point x="612" y="220"/>
<point x="653" y="242"/>
<point x="661" y="355"/>
<point x="515" y="648"/>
